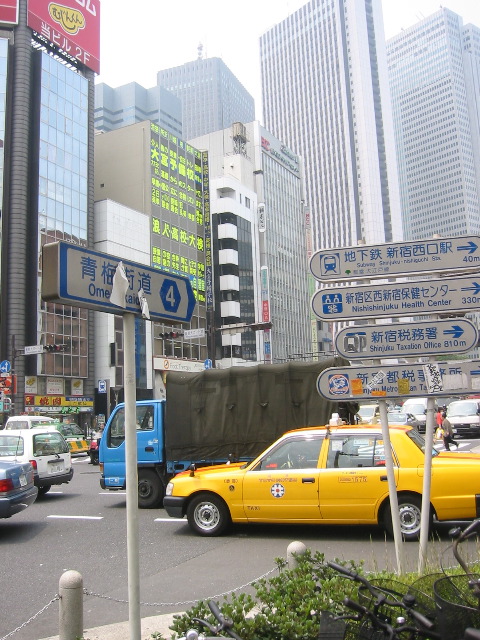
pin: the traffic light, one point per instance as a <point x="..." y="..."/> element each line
<point x="171" y="335"/>
<point x="53" y="348"/>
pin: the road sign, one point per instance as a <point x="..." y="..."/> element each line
<point x="208" y="363"/>
<point x="407" y="340"/>
<point x="5" y="366"/>
<point x="442" y="255"/>
<point x="357" y="382"/>
<point x="419" y="297"/>
<point x="36" y="348"/>
<point x="189" y="334"/>
<point x="102" y="386"/>
<point x="83" y="278"/>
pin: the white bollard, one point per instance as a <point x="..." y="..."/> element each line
<point x="71" y="606"/>
<point x="294" y="550"/>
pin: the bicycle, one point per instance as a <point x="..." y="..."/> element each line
<point x="457" y="597"/>
<point x="378" y="619"/>
<point x="224" y="625"/>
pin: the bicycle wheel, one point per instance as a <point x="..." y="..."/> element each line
<point x="453" y="599"/>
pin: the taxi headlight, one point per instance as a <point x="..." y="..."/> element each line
<point x="169" y="489"/>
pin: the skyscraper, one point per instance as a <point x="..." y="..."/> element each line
<point x="325" y="93"/>
<point x="212" y="97"/>
<point x="434" y="69"/>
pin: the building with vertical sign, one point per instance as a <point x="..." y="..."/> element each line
<point x="150" y="192"/>
<point x="49" y="55"/>
<point x="434" y="69"/>
<point x="259" y="246"/>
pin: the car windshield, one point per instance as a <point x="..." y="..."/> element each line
<point x="44" y="423"/>
<point x="396" y="417"/>
<point x="70" y="430"/>
<point x="11" y="446"/>
<point x="420" y="441"/>
<point x="48" y="444"/>
<point x="367" y="411"/>
<point x="415" y="408"/>
<point x="462" y="409"/>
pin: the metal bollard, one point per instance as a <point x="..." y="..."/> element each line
<point x="294" y="550"/>
<point x="71" y="606"/>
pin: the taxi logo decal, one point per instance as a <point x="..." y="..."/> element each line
<point x="277" y="490"/>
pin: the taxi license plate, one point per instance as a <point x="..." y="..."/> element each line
<point x="23" y="480"/>
<point x="55" y="467"/>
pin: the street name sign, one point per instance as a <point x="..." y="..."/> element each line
<point x="413" y="298"/>
<point x="33" y="349"/>
<point x="408" y="340"/>
<point x="461" y="377"/>
<point x="441" y="255"/>
<point x="80" y="277"/>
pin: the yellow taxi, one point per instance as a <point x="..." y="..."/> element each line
<point x="75" y="437"/>
<point x="328" y="475"/>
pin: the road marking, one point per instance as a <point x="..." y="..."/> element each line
<point x="112" y="493"/>
<point x="169" y="520"/>
<point x="77" y="517"/>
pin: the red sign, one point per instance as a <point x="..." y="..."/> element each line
<point x="8" y="11"/>
<point x="265" y="311"/>
<point x="71" y="25"/>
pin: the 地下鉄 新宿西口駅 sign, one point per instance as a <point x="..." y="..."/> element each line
<point x="80" y="277"/>
<point x="420" y="297"/>
<point x="442" y="255"/>
<point x="359" y="382"/>
<point x="428" y="337"/>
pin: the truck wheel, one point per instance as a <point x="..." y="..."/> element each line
<point x="208" y="515"/>
<point x="150" y="489"/>
<point x="410" y="511"/>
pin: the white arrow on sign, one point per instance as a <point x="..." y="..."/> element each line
<point x="357" y="382"/>
<point x="407" y="340"/>
<point x="442" y="255"/>
<point x="420" y="297"/>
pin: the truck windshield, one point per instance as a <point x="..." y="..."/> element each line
<point x="144" y="422"/>
<point x="462" y="409"/>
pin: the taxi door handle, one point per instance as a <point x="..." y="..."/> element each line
<point x="149" y="449"/>
<point x="308" y="480"/>
<point x="383" y="478"/>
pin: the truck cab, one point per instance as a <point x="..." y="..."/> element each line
<point x="150" y="446"/>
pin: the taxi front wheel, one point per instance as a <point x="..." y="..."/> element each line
<point x="208" y="515"/>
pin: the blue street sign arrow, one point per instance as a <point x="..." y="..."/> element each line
<point x="79" y="277"/>
<point x="455" y="331"/>
<point x="475" y="288"/>
<point x="471" y="247"/>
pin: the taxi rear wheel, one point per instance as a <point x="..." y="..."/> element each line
<point x="208" y="515"/>
<point x="410" y="513"/>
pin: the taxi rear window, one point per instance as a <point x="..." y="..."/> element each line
<point x="419" y="440"/>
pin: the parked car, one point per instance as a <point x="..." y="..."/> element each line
<point x="368" y="414"/>
<point x="46" y="450"/>
<point x="17" y="488"/>
<point x="464" y="416"/>
<point x="328" y="475"/>
<point x="30" y="422"/>
<point x="74" y="436"/>
<point x="399" y="417"/>
<point x="418" y="407"/>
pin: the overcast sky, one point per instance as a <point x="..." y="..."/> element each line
<point x="140" y="38"/>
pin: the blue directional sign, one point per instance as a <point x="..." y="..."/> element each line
<point x="409" y="339"/>
<point x="357" y="382"/>
<point x="77" y="276"/>
<point x="420" y="297"/>
<point x="5" y="366"/>
<point x="441" y="255"/>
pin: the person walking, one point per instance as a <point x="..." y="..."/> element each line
<point x="447" y="433"/>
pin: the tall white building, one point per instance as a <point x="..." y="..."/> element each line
<point x="325" y="93"/>
<point x="434" y="69"/>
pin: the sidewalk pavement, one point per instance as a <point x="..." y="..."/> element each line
<point x="120" y="630"/>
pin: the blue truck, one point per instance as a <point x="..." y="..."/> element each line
<point x="212" y="417"/>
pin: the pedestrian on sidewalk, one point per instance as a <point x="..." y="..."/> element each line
<point x="447" y="433"/>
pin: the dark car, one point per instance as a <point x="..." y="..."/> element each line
<point x="399" y="417"/>
<point x="17" y="489"/>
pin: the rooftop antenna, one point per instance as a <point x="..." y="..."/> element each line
<point x="200" y="51"/>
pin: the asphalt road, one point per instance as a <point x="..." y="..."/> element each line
<point x="79" y="526"/>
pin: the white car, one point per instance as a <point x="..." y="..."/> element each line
<point x="46" y="450"/>
<point x="30" y="422"/>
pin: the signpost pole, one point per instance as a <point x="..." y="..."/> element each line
<point x="392" y="488"/>
<point x="427" y="481"/>
<point x="131" y="477"/>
